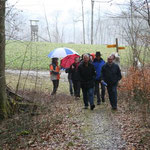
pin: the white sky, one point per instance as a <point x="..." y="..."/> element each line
<point x="36" y="7"/>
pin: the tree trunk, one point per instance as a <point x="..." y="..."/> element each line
<point x="148" y="12"/>
<point x="3" y="97"/>
<point x="83" y="26"/>
<point x="92" y="13"/>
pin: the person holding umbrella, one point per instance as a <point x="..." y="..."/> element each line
<point x="66" y="62"/>
<point x="54" y="74"/>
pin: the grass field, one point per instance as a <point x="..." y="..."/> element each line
<point x="31" y="83"/>
<point x="33" y="55"/>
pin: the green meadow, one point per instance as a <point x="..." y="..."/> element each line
<point x="33" y="55"/>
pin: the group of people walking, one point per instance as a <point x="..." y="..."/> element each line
<point x="90" y="74"/>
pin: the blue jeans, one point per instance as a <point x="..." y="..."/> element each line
<point x="112" y="92"/>
<point x="88" y="95"/>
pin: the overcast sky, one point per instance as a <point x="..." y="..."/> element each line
<point x="36" y="7"/>
<point x="69" y="15"/>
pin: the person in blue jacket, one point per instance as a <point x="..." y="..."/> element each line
<point x="98" y="64"/>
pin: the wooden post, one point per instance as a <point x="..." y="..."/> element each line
<point x="117" y="45"/>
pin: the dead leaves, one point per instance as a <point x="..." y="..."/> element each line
<point x="54" y="130"/>
<point x="130" y="121"/>
<point x="137" y="82"/>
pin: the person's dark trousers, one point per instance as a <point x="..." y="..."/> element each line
<point x="70" y="86"/>
<point x="112" y="92"/>
<point x="97" y="82"/>
<point x="76" y="86"/>
<point x="88" y="95"/>
<point x="94" y="92"/>
<point x="55" y="86"/>
<point x="103" y="92"/>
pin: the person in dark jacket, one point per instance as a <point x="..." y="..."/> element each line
<point x="70" y="81"/>
<point x="87" y="78"/>
<point x="98" y="64"/>
<point x="111" y="75"/>
<point x="75" y="77"/>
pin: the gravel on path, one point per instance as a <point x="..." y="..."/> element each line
<point x="100" y="129"/>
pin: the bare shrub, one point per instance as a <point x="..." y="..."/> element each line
<point x="137" y="85"/>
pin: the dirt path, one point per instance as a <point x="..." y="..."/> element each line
<point x="41" y="74"/>
<point x="100" y="130"/>
<point x="98" y="127"/>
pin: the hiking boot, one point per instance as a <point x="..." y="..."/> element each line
<point x="53" y="93"/>
<point x="114" y="108"/>
<point x="92" y="107"/>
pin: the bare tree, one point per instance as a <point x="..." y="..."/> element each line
<point x="142" y="7"/>
<point x="92" y="14"/>
<point x="56" y="31"/>
<point x="47" y="24"/>
<point x="4" y="109"/>
<point x="83" y="26"/>
<point x="135" y="28"/>
<point x="15" y="24"/>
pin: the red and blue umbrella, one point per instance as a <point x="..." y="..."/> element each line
<point x="61" y="52"/>
<point x="67" y="61"/>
